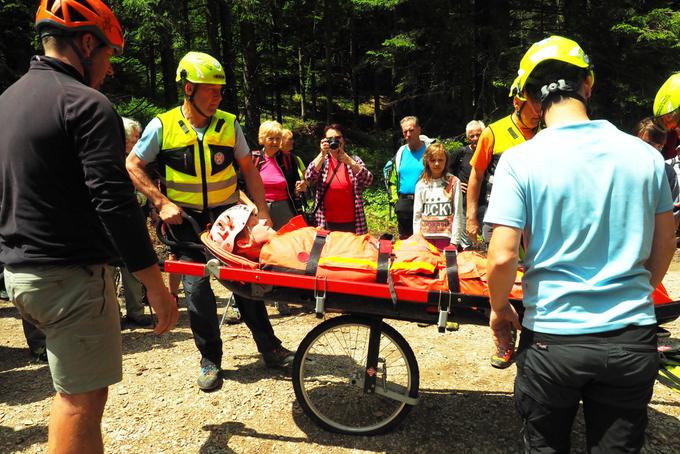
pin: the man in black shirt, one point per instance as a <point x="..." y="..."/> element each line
<point x="67" y="208"/>
<point x="459" y="162"/>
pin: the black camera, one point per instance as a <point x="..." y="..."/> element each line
<point x="334" y="143"/>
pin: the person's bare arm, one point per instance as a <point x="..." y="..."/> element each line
<point x="473" y="187"/>
<point x="663" y="247"/>
<point x="321" y="157"/>
<point x="244" y="199"/>
<point x="255" y="187"/>
<point x="501" y="269"/>
<point x="168" y="211"/>
<point x="159" y="298"/>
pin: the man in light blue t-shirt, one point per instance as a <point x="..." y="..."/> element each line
<point x="409" y="167"/>
<point x="595" y="210"/>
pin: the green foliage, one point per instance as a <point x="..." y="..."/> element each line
<point x="365" y="5"/>
<point x="447" y="62"/>
<point x="658" y="28"/>
<point x="400" y="43"/>
<point x="451" y="143"/>
<point x="140" y="109"/>
<point x="379" y="214"/>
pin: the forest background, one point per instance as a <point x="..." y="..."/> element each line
<point x="368" y="63"/>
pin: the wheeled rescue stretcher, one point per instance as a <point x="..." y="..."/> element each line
<point x="355" y="374"/>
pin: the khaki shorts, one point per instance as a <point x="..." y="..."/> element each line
<point x="76" y="308"/>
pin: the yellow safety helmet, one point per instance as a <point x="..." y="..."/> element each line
<point x="200" y="68"/>
<point x="667" y="102"/>
<point x="552" y="48"/>
<point x="514" y="90"/>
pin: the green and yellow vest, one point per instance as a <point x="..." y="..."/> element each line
<point x="198" y="174"/>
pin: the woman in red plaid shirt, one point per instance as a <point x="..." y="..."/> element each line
<point x="340" y="179"/>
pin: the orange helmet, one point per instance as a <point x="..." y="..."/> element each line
<point x="78" y="16"/>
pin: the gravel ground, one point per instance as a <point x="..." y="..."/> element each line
<point x="465" y="404"/>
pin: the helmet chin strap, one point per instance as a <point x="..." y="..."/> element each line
<point x="190" y="98"/>
<point x="519" y="116"/>
<point x="85" y="62"/>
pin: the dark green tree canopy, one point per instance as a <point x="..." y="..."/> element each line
<point x="367" y="63"/>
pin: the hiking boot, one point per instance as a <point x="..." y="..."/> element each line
<point x="279" y="357"/>
<point x="282" y="308"/>
<point x="209" y="377"/>
<point x="143" y="320"/>
<point x="39" y="353"/>
<point x="503" y="357"/>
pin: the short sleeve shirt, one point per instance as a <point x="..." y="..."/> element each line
<point x="484" y="152"/>
<point x="410" y="168"/>
<point x="586" y="196"/>
<point x="150" y="143"/>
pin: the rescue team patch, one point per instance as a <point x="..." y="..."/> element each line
<point x="219" y="158"/>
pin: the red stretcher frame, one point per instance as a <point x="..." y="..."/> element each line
<point x="411" y="304"/>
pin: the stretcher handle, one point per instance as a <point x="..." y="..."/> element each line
<point x="167" y="237"/>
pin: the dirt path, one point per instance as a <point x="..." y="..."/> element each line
<point x="465" y="404"/>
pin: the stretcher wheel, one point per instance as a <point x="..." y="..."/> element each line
<point x="329" y="373"/>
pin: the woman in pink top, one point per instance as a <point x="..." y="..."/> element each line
<point x="279" y="174"/>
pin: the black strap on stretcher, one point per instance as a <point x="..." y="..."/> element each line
<point x="451" y="255"/>
<point x="315" y="253"/>
<point x="383" y="274"/>
<point x="384" y="253"/>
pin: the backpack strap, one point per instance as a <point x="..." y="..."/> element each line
<point x="256" y="156"/>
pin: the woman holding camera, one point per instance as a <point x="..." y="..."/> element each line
<point x="340" y="179"/>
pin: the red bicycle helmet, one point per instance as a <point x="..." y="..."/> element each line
<point x="81" y="16"/>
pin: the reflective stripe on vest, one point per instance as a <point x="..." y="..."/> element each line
<point x="198" y="174"/>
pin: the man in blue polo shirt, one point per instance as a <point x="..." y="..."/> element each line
<point x="595" y="210"/>
<point x="408" y="164"/>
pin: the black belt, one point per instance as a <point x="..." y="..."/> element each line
<point x="406" y="196"/>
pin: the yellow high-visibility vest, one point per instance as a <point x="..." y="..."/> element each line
<point x="506" y="135"/>
<point x="198" y="174"/>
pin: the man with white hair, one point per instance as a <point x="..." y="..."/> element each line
<point x="459" y="164"/>
<point x="133" y="290"/>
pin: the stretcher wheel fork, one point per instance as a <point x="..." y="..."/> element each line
<point x="320" y="297"/>
<point x="355" y="375"/>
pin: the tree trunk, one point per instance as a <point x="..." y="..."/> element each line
<point x="151" y="65"/>
<point x="468" y="101"/>
<point x="186" y="27"/>
<point x="169" y="70"/>
<point x="168" y="62"/>
<point x="279" y="62"/>
<point x="213" y="27"/>
<point x="230" y="100"/>
<point x="353" y="72"/>
<point x="328" y="52"/>
<point x="376" y="100"/>
<point x="312" y="89"/>
<point x="301" y="82"/>
<point x="493" y="19"/>
<point x="250" y="82"/>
